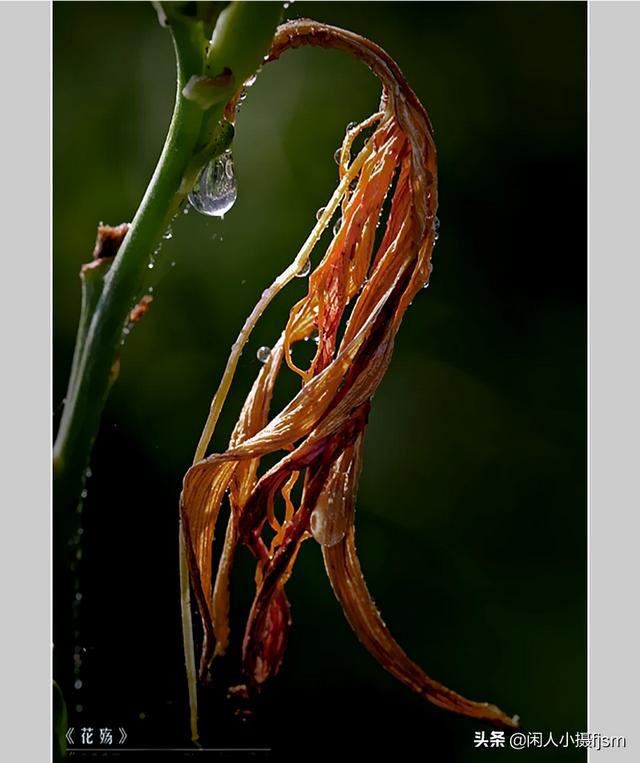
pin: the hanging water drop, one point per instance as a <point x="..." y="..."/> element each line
<point x="436" y="227"/>
<point x="338" y="155"/>
<point x="320" y="212"/>
<point x="337" y="226"/>
<point x="263" y="354"/>
<point x="305" y="269"/>
<point x="215" y="191"/>
<point x="351" y="125"/>
<point x="251" y="81"/>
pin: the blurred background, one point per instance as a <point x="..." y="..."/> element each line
<point x="471" y="518"/>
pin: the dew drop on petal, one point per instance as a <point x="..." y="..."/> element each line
<point x="215" y="191"/>
<point x="263" y="354"/>
<point x="326" y="523"/>
<point x="351" y="125"/>
<point x="338" y="155"/>
<point x="337" y="226"/>
<point x="305" y="269"/>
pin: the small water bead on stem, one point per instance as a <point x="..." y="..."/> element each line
<point x="215" y="191"/>
<point x="305" y="269"/>
<point x="168" y="234"/>
<point x="263" y="354"/>
<point x="337" y="225"/>
<point x="320" y="212"/>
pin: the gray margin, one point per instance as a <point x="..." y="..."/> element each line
<point x="25" y="399"/>
<point x="614" y="276"/>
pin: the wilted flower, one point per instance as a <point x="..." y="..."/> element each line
<point x="320" y="432"/>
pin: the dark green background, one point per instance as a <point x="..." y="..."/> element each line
<point x="471" y="520"/>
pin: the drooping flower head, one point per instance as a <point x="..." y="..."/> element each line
<point x="356" y="300"/>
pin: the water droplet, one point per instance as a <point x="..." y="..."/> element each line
<point x="327" y="523"/>
<point x="337" y="226"/>
<point x="186" y="209"/>
<point x="243" y="96"/>
<point x="251" y="81"/>
<point x="351" y="125"/>
<point x="263" y="354"/>
<point x="338" y="155"/>
<point x="305" y="269"/>
<point x="77" y="684"/>
<point x="84" y="494"/>
<point x="167" y="234"/>
<point x="436" y="223"/>
<point x="215" y="191"/>
<point x="320" y="212"/>
<point x="150" y="265"/>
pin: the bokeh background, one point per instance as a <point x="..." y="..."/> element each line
<point x="471" y="519"/>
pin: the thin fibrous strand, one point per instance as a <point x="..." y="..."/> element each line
<point x="267" y="296"/>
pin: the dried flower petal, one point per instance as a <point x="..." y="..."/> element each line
<point x="321" y="430"/>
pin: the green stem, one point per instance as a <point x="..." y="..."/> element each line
<point x="251" y="25"/>
<point x="242" y="37"/>
<point x="86" y="397"/>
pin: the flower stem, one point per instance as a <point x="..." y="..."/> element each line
<point x="196" y="134"/>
